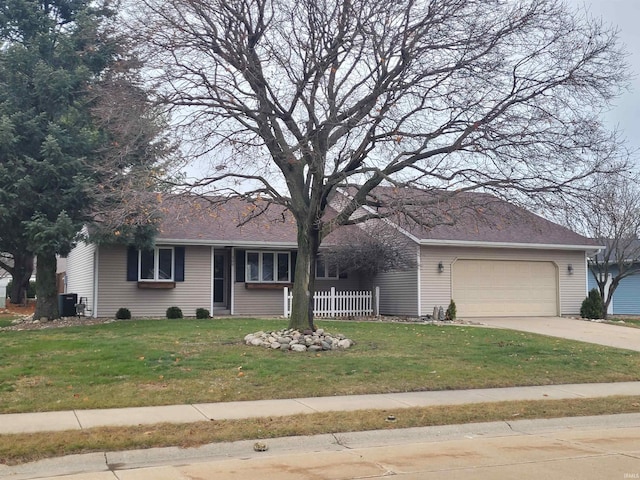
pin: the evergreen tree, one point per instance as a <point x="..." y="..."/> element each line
<point x="62" y="64"/>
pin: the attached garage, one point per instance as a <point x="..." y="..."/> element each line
<point x="505" y="288"/>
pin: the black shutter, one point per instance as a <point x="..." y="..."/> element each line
<point x="294" y="258"/>
<point x="240" y="268"/>
<point x="179" y="264"/>
<point x="132" y="264"/>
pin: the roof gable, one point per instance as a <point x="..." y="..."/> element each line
<point x="440" y="216"/>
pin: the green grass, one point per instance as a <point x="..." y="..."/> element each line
<point x="157" y="362"/>
<point x="5" y="322"/>
<point x="628" y="322"/>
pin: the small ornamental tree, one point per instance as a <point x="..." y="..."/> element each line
<point x="451" y="311"/>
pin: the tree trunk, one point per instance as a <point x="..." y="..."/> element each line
<point x="46" y="292"/>
<point x="20" y="274"/>
<point x="304" y="285"/>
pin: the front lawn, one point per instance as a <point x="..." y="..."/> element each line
<point x="633" y="322"/>
<point x="157" y="362"/>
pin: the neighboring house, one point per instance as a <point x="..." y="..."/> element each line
<point x="496" y="259"/>
<point x="626" y="298"/>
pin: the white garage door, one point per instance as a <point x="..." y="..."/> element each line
<point x="483" y="288"/>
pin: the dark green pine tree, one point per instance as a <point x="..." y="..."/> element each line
<point x="64" y="71"/>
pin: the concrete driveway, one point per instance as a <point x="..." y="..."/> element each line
<point x="574" y="329"/>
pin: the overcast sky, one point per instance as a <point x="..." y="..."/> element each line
<point x="625" y="14"/>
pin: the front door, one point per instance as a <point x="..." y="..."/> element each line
<point x="220" y="278"/>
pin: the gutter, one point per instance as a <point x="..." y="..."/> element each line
<point x="224" y="243"/>
<point x="535" y="246"/>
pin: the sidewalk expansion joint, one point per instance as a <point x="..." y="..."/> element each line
<point x="300" y="402"/>
<point x="204" y="415"/>
<point x="75" y="414"/>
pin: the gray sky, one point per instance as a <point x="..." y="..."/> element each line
<point x="625" y="15"/>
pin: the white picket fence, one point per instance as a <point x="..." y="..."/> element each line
<point x="333" y="303"/>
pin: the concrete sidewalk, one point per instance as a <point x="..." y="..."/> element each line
<point x="392" y="402"/>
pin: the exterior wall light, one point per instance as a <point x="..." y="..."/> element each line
<point x="570" y="269"/>
<point x="440" y="267"/>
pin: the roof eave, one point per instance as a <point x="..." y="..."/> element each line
<point x="224" y="243"/>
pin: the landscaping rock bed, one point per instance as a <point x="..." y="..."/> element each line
<point x="293" y="340"/>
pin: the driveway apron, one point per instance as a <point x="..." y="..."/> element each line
<point x="571" y="328"/>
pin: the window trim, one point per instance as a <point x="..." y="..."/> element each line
<point x="326" y="275"/>
<point x="156" y="265"/>
<point x="260" y="254"/>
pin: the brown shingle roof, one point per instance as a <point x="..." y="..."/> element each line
<point x="428" y="216"/>
<point x="213" y="220"/>
<point x="232" y="221"/>
<point x="471" y="217"/>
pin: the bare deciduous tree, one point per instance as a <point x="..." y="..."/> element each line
<point x="291" y="100"/>
<point x="610" y="214"/>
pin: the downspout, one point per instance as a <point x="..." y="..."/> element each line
<point x="232" y="300"/>
<point x="212" y="279"/>
<point x="419" y="283"/>
<point x="96" y="258"/>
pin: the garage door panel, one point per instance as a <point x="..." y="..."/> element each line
<point x="505" y="288"/>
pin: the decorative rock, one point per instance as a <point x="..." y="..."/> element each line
<point x="260" y="447"/>
<point x="295" y="341"/>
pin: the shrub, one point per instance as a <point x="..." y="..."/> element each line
<point x="592" y="306"/>
<point x="174" y="312"/>
<point x="202" y="313"/>
<point x="31" y="289"/>
<point x="451" y="311"/>
<point x="123" y="314"/>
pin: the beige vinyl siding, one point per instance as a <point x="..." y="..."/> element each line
<point x="116" y="291"/>
<point x="257" y="302"/>
<point x="436" y="287"/>
<point x="352" y="282"/>
<point x="399" y="290"/>
<point x="81" y="273"/>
